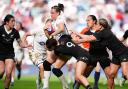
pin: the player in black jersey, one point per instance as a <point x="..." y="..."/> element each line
<point x="67" y="48"/>
<point x="7" y="36"/>
<point x="108" y="39"/>
<point x="98" y="51"/>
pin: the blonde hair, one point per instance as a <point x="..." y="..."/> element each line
<point x="104" y="23"/>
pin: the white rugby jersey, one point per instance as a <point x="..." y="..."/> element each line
<point x="15" y="44"/>
<point x="39" y="41"/>
<point x="60" y="19"/>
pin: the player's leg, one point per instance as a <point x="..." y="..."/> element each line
<point x="20" y="56"/>
<point x="87" y="72"/>
<point x="51" y="58"/>
<point x="105" y="65"/>
<point x="122" y="80"/>
<point x="40" y="75"/>
<point x="9" y="64"/>
<point x="13" y="75"/>
<point x="79" y="76"/>
<point x="112" y="74"/>
<point x="124" y="66"/>
<point x="96" y="76"/>
<point x="2" y="68"/>
<point x="60" y="62"/>
<point x="71" y="70"/>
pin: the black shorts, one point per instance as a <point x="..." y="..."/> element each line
<point x="104" y="62"/>
<point x="79" y="53"/>
<point x="3" y="57"/>
<point x="120" y="58"/>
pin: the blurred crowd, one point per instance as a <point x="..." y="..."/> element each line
<point x="33" y="13"/>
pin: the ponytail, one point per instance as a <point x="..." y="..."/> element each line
<point x="59" y="8"/>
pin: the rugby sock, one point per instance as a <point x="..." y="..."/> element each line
<point x="47" y="75"/>
<point x="76" y="85"/>
<point x="6" y="88"/>
<point x="12" y="79"/>
<point x="96" y="77"/>
<point x="64" y="82"/>
<point x="88" y="87"/>
<point x="69" y="77"/>
<point x="61" y="77"/>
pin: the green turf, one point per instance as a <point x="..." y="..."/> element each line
<point x="28" y="82"/>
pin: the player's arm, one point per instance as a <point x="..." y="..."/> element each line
<point x="23" y="42"/>
<point x="46" y="33"/>
<point x="60" y="28"/>
<point x="46" y="27"/>
<point x="85" y="38"/>
<point x="26" y="35"/>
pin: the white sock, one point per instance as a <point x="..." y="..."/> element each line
<point x="12" y="79"/>
<point x="69" y="77"/>
<point x="45" y="81"/>
<point x="64" y="82"/>
<point x="38" y="82"/>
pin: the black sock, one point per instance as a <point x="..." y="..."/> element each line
<point x="88" y="87"/>
<point x="57" y="72"/>
<point x="76" y="85"/>
<point x="47" y="65"/>
<point x="96" y="77"/>
<point x="6" y="88"/>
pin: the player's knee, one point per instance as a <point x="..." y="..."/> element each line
<point x="57" y="72"/>
<point x="8" y="75"/>
<point x="111" y="75"/>
<point x="77" y="77"/>
<point x="47" y="66"/>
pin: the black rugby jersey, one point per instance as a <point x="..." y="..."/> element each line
<point x="67" y="47"/>
<point x="108" y="39"/>
<point x="125" y="34"/>
<point x="96" y="49"/>
<point x="6" y="40"/>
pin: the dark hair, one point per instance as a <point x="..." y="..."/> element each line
<point x="7" y="18"/>
<point x="104" y="23"/>
<point x="48" y="20"/>
<point x="93" y="18"/>
<point x="59" y="7"/>
<point x="51" y="44"/>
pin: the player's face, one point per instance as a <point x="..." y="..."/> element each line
<point x="97" y="26"/>
<point x="90" y="22"/>
<point x="18" y="26"/>
<point x="11" y="23"/>
<point x="54" y="14"/>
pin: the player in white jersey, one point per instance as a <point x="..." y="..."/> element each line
<point x="38" y="54"/>
<point x="19" y="53"/>
<point x="59" y="27"/>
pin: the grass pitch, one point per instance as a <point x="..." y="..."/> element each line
<point x="28" y="82"/>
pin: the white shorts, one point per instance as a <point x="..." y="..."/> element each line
<point x="37" y="58"/>
<point x="72" y="61"/>
<point x="19" y="54"/>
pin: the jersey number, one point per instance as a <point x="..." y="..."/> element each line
<point x="70" y="44"/>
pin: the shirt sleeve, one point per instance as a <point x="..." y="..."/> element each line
<point x="97" y="35"/>
<point x="17" y="35"/>
<point x="125" y="35"/>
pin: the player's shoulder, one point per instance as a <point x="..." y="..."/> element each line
<point x="84" y="30"/>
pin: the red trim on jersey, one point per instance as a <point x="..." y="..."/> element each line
<point x="85" y="44"/>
